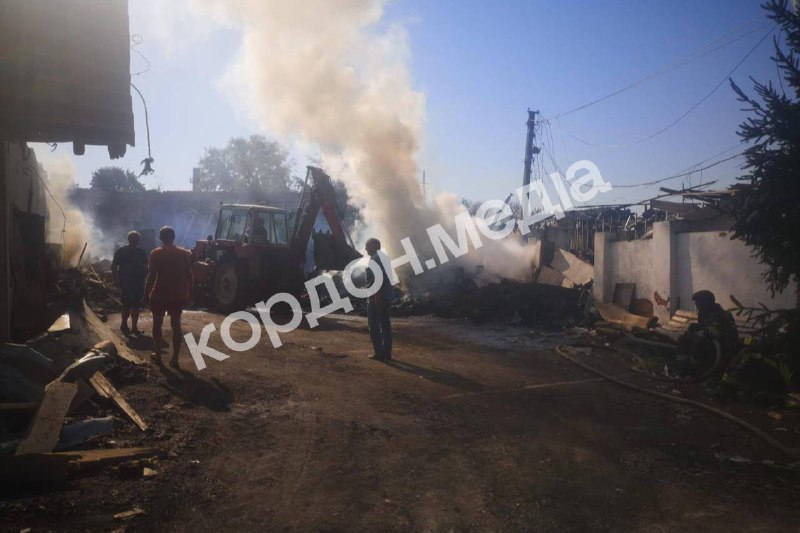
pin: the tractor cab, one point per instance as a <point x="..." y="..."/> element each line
<point x="255" y="225"/>
<point x="258" y="251"/>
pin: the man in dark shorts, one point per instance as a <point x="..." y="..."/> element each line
<point x="169" y="289"/>
<point x="380" y="325"/>
<point x="129" y="269"/>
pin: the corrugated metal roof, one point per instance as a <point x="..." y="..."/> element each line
<point x="65" y="72"/>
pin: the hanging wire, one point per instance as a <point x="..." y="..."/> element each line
<point x="148" y="169"/>
<point x="691" y="109"/>
<point x="136" y="40"/>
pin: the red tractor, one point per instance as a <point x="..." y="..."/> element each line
<point x="259" y="251"/>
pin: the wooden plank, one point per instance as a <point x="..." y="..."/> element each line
<point x="105" y="389"/>
<point x="18" y="406"/>
<point x="685" y="314"/>
<point x="105" y="457"/>
<point x="616" y="315"/>
<point x="44" y="430"/>
<point x="34" y="468"/>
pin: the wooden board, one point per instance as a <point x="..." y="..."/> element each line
<point x="44" y="430"/>
<point x="616" y="315"/>
<point x="105" y="389"/>
<point x="105" y="457"/>
<point x="623" y="295"/>
<point x="31" y="469"/>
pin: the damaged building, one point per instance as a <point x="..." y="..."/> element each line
<point x="51" y="92"/>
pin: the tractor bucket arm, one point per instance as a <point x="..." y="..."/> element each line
<point x="334" y="251"/>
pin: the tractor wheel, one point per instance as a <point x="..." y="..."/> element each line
<point x="229" y="288"/>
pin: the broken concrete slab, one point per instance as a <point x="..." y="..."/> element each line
<point x="43" y="433"/>
<point x="578" y="271"/>
<point x="549" y="276"/>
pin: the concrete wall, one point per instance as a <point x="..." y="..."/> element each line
<point x="632" y="262"/>
<point x="676" y="263"/>
<point x="712" y="261"/>
<point x="21" y="191"/>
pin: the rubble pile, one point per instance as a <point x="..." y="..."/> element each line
<point x="60" y="410"/>
<point x="507" y="301"/>
<point x="100" y="292"/>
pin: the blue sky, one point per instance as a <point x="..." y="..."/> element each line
<point x="481" y="65"/>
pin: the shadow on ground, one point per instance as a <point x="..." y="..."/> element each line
<point x="437" y="375"/>
<point x="211" y="394"/>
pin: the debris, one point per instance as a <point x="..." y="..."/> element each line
<point x="32" y="469"/>
<point x="73" y="435"/>
<point x="30" y="363"/>
<point x="549" y="276"/>
<point x="82" y="459"/>
<point x="18" y="407"/>
<point x="43" y="434"/>
<point x="105" y="389"/>
<point x="127" y="515"/>
<point x="576" y="270"/>
<point x="775" y="416"/>
<point x="84" y="368"/>
<point x="61" y="324"/>
<point x="616" y="315"/>
<point x="149" y="472"/>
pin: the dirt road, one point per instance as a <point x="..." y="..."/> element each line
<point x="454" y="435"/>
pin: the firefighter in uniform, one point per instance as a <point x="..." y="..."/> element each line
<point x="714" y="331"/>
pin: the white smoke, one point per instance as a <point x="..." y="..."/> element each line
<point x="336" y="74"/>
<point x="66" y="224"/>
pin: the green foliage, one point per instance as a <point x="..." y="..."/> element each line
<point x="116" y="179"/>
<point x="255" y="164"/>
<point x="767" y="209"/>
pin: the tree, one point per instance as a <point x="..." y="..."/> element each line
<point x="766" y="209"/>
<point x="255" y="164"/>
<point x="116" y="179"/>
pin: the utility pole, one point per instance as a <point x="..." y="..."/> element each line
<point x="424" y="186"/>
<point x="530" y="149"/>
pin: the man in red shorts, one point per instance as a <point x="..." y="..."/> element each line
<point x="169" y="289"/>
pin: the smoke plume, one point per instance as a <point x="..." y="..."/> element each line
<point x="336" y="75"/>
<point x="66" y="224"/>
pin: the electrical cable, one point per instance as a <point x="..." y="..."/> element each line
<point x="691" y="109"/>
<point x="697" y="54"/>
<point x="680" y="175"/>
<point x="52" y="197"/>
<point x="148" y="169"/>
<point x="137" y="39"/>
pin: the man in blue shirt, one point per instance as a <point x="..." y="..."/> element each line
<point x="129" y="269"/>
<point x="380" y="326"/>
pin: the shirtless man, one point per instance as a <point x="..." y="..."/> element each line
<point x="168" y="289"/>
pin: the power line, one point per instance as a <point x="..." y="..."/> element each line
<point x="680" y="175"/>
<point x="697" y="54"/>
<point x="691" y="109"/>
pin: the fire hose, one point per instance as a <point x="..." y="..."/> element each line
<point x="563" y="351"/>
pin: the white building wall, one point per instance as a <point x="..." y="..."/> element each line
<point x="712" y="261"/>
<point x="676" y="264"/>
<point x="632" y="262"/>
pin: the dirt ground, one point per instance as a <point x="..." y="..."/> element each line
<point x="470" y="428"/>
